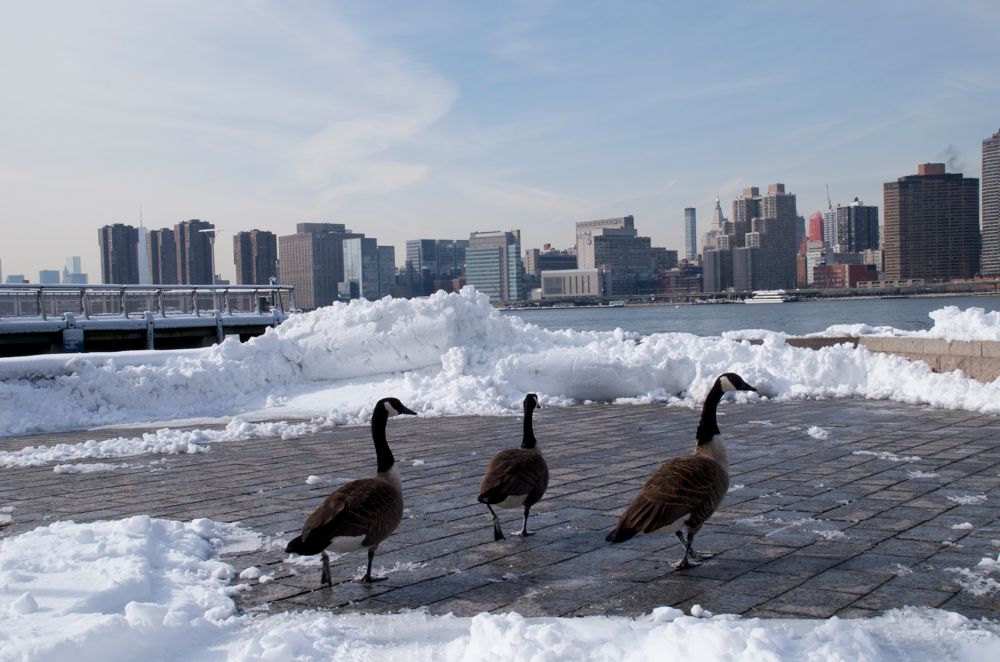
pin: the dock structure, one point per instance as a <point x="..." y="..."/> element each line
<point x="45" y="319"/>
<point x="843" y="507"/>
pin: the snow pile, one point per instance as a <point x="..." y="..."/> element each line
<point x="164" y="441"/>
<point x="148" y="588"/>
<point x="970" y="324"/>
<point x="448" y="354"/>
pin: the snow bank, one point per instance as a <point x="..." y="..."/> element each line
<point x="452" y="354"/>
<point x="149" y="588"/>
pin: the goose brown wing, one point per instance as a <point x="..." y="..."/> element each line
<point x="686" y="487"/>
<point x="368" y="507"/>
<point x="515" y="471"/>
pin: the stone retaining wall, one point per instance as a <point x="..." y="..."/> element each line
<point x="979" y="359"/>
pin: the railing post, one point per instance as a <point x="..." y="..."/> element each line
<point x="225" y="295"/>
<point x="124" y="303"/>
<point x="39" y="302"/>
<point x="256" y="301"/>
<point x="150" y="330"/>
<point x="159" y="303"/>
<point x="194" y="301"/>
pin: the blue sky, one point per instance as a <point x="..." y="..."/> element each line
<point x="408" y="120"/>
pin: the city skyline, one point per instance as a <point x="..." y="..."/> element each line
<point x="407" y="122"/>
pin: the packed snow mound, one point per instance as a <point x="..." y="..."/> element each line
<point x="150" y="588"/>
<point x="449" y="354"/>
<point x="953" y="323"/>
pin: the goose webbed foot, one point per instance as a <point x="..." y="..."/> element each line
<point x="686" y="563"/>
<point x="325" y="576"/>
<point x="368" y="579"/>
<point x="524" y="533"/>
<point x="497" y="531"/>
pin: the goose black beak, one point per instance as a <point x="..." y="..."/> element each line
<point x="749" y="388"/>
<point x="407" y="410"/>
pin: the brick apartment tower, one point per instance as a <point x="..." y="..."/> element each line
<point x="255" y="254"/>
<point x="991" y="206"/>
<point x="119" y="245"/>
<point x="931" y="227"/>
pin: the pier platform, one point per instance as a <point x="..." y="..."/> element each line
<point x="836" y="507"/>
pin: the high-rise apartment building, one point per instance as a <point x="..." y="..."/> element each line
<point x="763" y="239"/>
<point x="690" y="234"/>
<point x="195" y="259"/>
<point x="312" y="260"/>
<point x="255" y="254"/>
<point x="161" y="249"/>
<point x="931" y="225"/>
<point x="614" y="246"/>
<point x="857" y="227"/>
<point x="493" y="265"/>
<point x="119" y="245"/>
<point x="991" y="206"/>
<point x="145" y="276"/>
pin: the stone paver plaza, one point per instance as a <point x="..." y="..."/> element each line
<point x="884" y="512"/>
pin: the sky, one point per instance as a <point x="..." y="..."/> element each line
<point x="437" y="119"/>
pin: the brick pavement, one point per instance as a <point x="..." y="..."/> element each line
<point x="811" y="527"/>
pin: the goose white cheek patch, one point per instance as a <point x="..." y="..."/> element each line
<point x="727" y="385"/>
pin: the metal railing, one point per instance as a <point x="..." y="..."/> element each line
<point x="85" y="301"/>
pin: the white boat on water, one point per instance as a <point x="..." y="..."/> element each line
<point x="770" y="296"/>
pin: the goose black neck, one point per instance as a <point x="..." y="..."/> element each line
<point x="382" y="452"/>
<point x="528" y="438"/>
<point x="708" y="427"/>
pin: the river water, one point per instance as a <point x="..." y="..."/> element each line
<point x="794" y="318"/>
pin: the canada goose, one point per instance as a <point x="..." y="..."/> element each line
<point x="516" y="476"/>
<point x="363" y="512"/>
<point x="685" y="491"/>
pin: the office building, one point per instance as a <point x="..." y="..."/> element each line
<point x="142" y="254"/>
<point x="312" y="260"/>
<point x="48" y="277"/>
<point x="571" y="284"/>
<point x="815" y="230"/>
<point x="195" y="256"/>
<point x="931" y="225"/>
<point x="432" y="263"/>
<point x="717" y="269"/>
<point x="493" y="265"/>
<point x="991" y="207"/>
<point x="690" y="234"/>
<point x="255" y="254"/>
<point x="857" y="227"/>
<point x="119" y="244"/>
<point x="842" y="276"/>
<point x="547" y="259"/>
<point x="72" y="273"/>
<point x="369" y="269"/>
<point x="613" y="246"/>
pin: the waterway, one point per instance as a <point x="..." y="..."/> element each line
<point x="794" y="318"/>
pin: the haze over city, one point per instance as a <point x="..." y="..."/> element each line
<point x="439" y="120"/>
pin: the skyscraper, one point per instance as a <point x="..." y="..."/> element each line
<point x="369" y="269"/>
<point x="312" y="260"/>
<point x="991" y="206"/>
<point x="119" y="245"/>
<point x="690" y="234"/>
<point x="255" y="254"/>
<point x="195" y="262"/>
<point x="614" y="246"/>
<point x="161" y="247"/>
<point x="857" y="227"/>
<point x="931" y="225"/>
<point x="493" y="265"/>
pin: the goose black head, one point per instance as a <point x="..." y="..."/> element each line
<point x="531" y="402"/>
<point x="730" y="381"/>
<point x="393" y="407"/>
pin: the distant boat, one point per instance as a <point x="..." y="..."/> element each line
<point x="616" y="304"/>
<point x="770" y="296"/>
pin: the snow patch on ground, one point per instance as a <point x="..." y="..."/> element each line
<point x="968" y="499"/>
<point x="165" y="441"/>
<point x="149" y="588"/>
<point x="890" y="457"/>
<point x="816" y="432"/>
